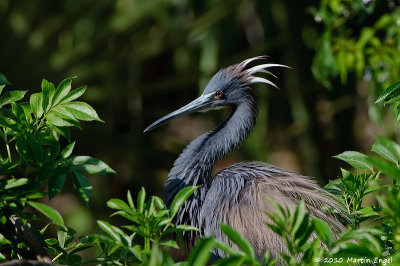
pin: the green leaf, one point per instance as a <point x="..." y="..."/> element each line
<point x="62" y="234"/>
<point x="130" y="200"/>
<point x="59" y="120"/>
<point x="159" y="202"/>
<point x="385" y="167"/>
<point x="82" y="111"/>
<point x="386" y="94"/>
<point x="62" y="90"/>
<point x="66" y="152"/>
<point x="180" y="198"/>
<point x="368" y="212"/>
<point x="44" y="229"/>
<point x="201" y="252"/>
<point x="89" y="165"/>
<point x="8" y="167"/>
<point x="118" y="204"/>
<point x="29" y="148"/>
<point x="82" y="186"/>
<point x="140" y="200"/>
<point x="9" y="123"/>
<point x="1" y="88"/>
<point x="395" y="97"/>
<point x="303" y="226"/>
<point x="334" y="186"/>
<point x="64" y="131"/>
<point x="323" y="230"/>
<point x="298" y="216"/>
<point x="11" y="96"/>
<point x="239" y="240"/>
<point x="398" y="114"/>
<point x="66" y="115"/>
<point x="51" y="241"/>
<point x="19" y="113"/>
<point x="35" y="149"/>
<point x="306" y="234"/>
<point x="185" y="227"/>
<point x="228" y="249"/>
<point x="390" y="148"/>
<point x="5" y="113"/>
<point x="356" y="159"/>
<point x="109" y="229"/>
<point x="384" y="152"/>
<point x="56" y="183"/>
<point x="357" y="234"/>
<point x="51" y="213"/>
<point x="3" y="80"/>
<point x="36" y="102"/>
<point x="73" y="95"/>
<point x="169" y="243"/>
<point x="27" y="113"/>
<point x="47" y="93"/>
<point x="13" y="183"/>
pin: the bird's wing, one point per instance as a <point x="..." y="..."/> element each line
<point x="237" y="198"/>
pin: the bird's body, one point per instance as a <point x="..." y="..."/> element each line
<point x="236" y="195"/>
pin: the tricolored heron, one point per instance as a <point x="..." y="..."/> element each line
<point x="236" y="195"/>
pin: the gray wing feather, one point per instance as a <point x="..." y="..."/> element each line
<point x="237" y="198"/>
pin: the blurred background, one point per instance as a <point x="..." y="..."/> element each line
<point x="142" y="59"/>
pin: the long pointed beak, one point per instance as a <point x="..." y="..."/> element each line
<point x="200" y="104"/>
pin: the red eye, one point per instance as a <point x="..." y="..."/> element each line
<point x="218" y="94"/>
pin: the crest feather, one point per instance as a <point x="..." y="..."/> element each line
<point x="245" y="74"/>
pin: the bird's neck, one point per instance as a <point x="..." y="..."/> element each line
<point x="194" y="166"/>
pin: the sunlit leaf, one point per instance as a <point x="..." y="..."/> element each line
<point x="386" y="94"/>
<point x="13" y="183"/>
<point x="62" y="234"/>
<point x="118" y="204"/>
<point x="180" y="199"/>
<point x="73" y="95"/>
<point x="140" y="200"/>
<point x="109" y="229"/>
<point x="130" y="200"/>
<point x="356" y="159"/>
<point x="51" y="213"/>
<point x="36" y="102"/>
<point x="66" y="152"/>
<point x="62" y="90"/>
<point x="63" y="113"/>
<point x="169" y="243"/>
<point x="82" y="111"/>
<point x="59" y="120"/>
<point x="47" y="93"/>
<point x="90" y="165"/>
<point x="11" y="96"/>
<point x="387" y="148"/>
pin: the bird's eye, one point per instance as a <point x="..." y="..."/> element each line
<point x="218" y="94"/>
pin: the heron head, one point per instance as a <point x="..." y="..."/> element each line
<point x="227" y="88"/>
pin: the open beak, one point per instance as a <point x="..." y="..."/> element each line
<point x="200" y="104"/>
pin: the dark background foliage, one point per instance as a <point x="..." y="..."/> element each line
<point x="143" y="59"/>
